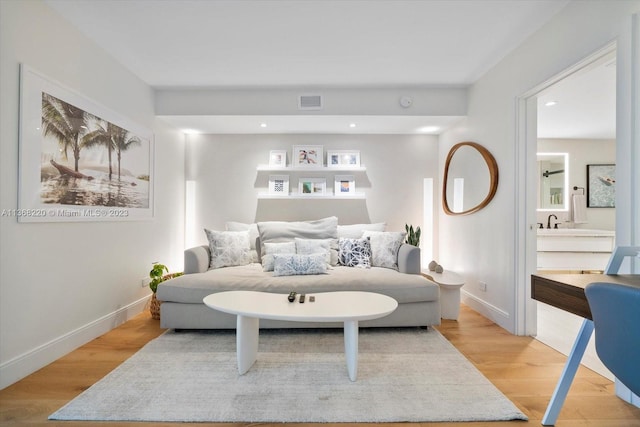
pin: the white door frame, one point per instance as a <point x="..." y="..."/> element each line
<point x="526" y="188"/>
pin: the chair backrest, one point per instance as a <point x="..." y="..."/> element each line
<point x="616" y="318"/>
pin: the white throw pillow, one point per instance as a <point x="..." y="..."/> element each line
<point x="228" y="248"/>
<point x="327" y="247"/>
<point x="295" y="265"/>
<point x="272" y="249"/>
<point x="354" y="231"/>
<point x="385" y="247"/>
<point x="253" y="235"/>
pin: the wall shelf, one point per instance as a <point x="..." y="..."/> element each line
<point x="296" y="196"/>
<point x="323" y="169"/>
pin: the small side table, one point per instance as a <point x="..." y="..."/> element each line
<point x="450" y="284"/>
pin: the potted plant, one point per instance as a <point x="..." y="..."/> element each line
<point x="157" y="275"/>
<point x="413" y="236"/>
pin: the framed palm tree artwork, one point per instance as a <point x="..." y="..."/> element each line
<point x="78" y="160"/>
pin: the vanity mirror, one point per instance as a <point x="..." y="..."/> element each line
<point x="470" y="179"/>
<point x="553" y="181"/>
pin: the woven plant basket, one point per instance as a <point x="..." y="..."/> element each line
<point x="154" y="307"/>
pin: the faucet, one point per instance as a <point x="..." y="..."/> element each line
<point x="549" y="220"/>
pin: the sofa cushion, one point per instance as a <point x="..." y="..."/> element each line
<point x="354" y="252"/>
<point x="276" y="248"/>
<point x="354" y="231"/>
<point x="384" y="247"/>
<point x="404" y="288"/>
<point x="228" y="248"/>
<point x="287" y="231"/>
<point x="298" y="265"/>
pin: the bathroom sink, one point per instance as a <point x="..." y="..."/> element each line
<point x="574" y="232"/>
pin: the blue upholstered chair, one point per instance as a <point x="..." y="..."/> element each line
<point x="616" y="317"/>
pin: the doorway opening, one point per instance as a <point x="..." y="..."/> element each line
<point x="573" y="114"/>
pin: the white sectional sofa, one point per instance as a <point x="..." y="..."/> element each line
<point x="182" y="306"/>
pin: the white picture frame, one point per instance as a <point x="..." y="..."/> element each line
<point x="344" y="159"/>
<point x="61" y="181"/>
<point x="278" y="158"/>
<point x="344" y="185"/>
<point x="279" y="185"/>
<point x="307" y="156"/>
<point x="312" y="187"/>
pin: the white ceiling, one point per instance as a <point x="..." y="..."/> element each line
<point x="313" y="124"/>
<point x="584" y="104"/>
<point x="308" y="43"/>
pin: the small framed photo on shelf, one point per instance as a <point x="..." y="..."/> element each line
<point x="307" y="156"/>
<point x="312" y="187"/>
<point x="278" y="158"/>
<point x="343" y="159"/>
<point x="345" y="185"/>
<point x="279" y="185"/>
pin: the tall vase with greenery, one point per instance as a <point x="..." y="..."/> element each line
<point x="157" y="275"/>
<point x="413" y="235"/>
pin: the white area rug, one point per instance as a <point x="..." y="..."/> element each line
<point x="300" y="376"/>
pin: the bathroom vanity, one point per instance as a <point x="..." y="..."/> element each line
<point x="574" y="250"/>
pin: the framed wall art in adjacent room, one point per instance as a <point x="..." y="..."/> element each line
<point x="601" y="186"/>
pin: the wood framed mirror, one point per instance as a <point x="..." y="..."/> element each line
<point x="470" y="179"/>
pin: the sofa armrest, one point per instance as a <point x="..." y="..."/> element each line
<point x="196" y="260"/>
<point x="409" y="259"/>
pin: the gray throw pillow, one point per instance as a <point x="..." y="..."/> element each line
<point x="287" y="231"/>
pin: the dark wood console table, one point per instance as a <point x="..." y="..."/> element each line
<point x="566" y="292"/>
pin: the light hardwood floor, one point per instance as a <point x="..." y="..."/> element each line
<point x="524" y="369"/>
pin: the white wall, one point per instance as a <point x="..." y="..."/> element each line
<point x="484" y="246"/>
<point x="582" y="153"/>
<point x="227" y="183"/>
<point x="62" y="284"/>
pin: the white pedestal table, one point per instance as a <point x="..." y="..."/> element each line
<point x="450" y="284"/>
<point x="347" y="307"/>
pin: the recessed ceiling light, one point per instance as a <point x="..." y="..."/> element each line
<point x="428" y="129"/>
<point x="550" y="103"/>
<point x="263" y="125"/>
<point x="352" y="125"/>
<point x="191" y="131"/>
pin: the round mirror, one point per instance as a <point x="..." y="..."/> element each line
<point x="470" y="179"/>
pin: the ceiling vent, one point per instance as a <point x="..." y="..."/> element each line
<point x="310" y="102"/>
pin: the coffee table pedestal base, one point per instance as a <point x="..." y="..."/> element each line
<point x="247" y="334"/>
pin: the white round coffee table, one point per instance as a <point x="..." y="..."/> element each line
<point x="347" y="307"/>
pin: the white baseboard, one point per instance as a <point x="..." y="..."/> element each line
<point x="29" y="362"/>
<point x="491" y="312"/>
